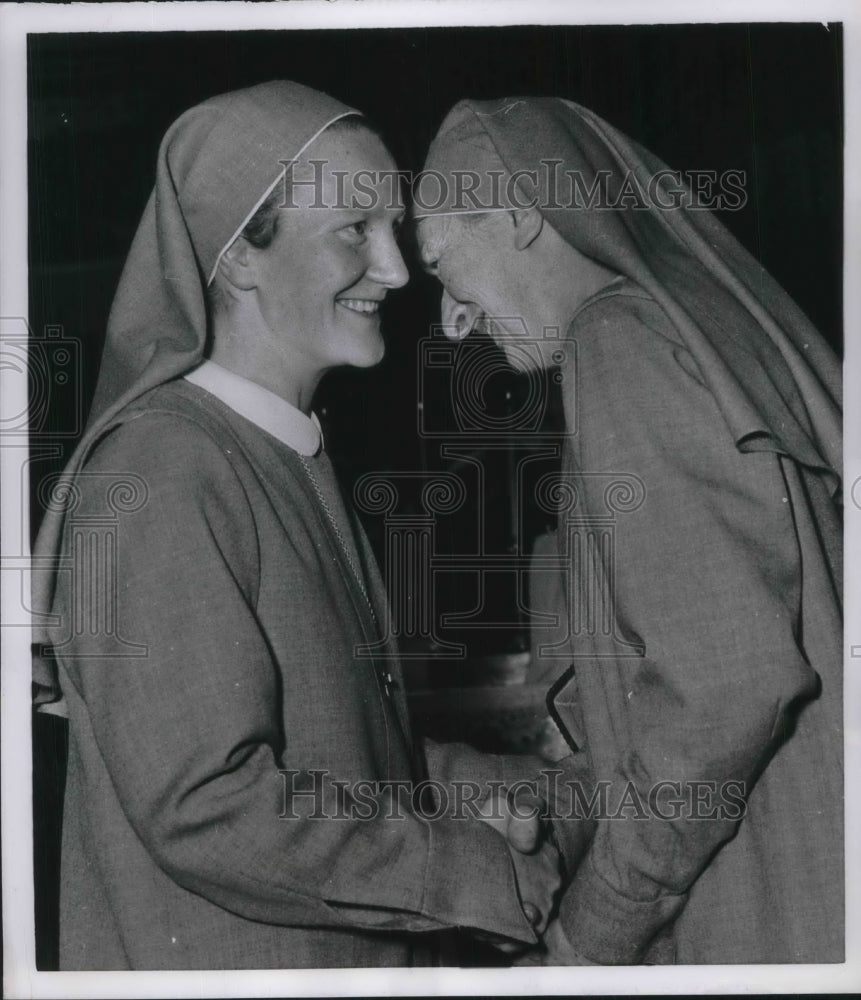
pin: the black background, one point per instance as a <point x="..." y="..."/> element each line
<point x="766" y="99"/>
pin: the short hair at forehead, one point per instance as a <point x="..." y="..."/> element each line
<point x="261" y="228"/>
<point x="355" y="123"/>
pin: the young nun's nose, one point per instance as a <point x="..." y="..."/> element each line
<point x="458" y="318"/>
<point x="388" y="267"/>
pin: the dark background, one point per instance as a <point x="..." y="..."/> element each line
<point x="766" y="99"/>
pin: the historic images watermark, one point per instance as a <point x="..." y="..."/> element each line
<point x="548" y="188"/>
<point x="318" y="795"/>
<point x="414" y="563"/>
<point x="50" y="361"/>
<point x="49" y="416"/>
<point x="453" y="416"/>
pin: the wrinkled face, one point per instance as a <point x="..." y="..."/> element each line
<point x="486" y="281"/>
<point x="321" y="281"/>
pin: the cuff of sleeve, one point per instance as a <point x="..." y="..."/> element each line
<point x="572" y="837"/>
<point x="568" y="784"/>
<point x="523" y="767"/>
<point x="470" y="881"/>
<point x="608" y="928"/>
<point x="449" y="762"/>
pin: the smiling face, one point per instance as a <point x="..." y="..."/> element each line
<point x="513" y="273"/>
<point x="486" y="280"/>
<point x="322" y="280"/>
<point x="310" y="300"/>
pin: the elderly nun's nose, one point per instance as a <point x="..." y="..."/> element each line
<point x="458" y="318"/>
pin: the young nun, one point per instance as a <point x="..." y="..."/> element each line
<point x="240" y="778"/>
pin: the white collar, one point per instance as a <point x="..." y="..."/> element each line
<point x="268" y="411"/>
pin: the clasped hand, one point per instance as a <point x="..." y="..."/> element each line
<point x="534" y="856"/>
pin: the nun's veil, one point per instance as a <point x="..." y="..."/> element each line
<point x="774" y="378"/>
<point x="216" y="165"/>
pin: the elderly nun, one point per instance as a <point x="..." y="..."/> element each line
<point x="706" y="689"/>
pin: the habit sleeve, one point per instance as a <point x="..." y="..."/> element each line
<point x="707" y="578"/>
<point x="192" y="736"/>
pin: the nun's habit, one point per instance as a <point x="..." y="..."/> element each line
<point x="225" y="672"/>
<point x="703" y="389"/>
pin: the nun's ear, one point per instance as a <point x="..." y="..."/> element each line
<point x="236" y="266"/>
<point x="527" y="225"/>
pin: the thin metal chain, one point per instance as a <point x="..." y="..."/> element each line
<point x="344" y="547"/>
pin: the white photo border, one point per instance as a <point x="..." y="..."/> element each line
<point x="21" y="979"/>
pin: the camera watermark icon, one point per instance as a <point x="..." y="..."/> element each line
<point x="467" y="373"/>
<point x="51" y="363"/>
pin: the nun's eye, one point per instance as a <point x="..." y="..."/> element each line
<point x="431" y="265"/>
<point x="359" y="228"/>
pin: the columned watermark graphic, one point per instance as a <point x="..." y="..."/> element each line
<point x="410" y="544"/>
<point x="587" y="555"/>
<point x="86" y="568"/>
<point x="89" y="559"/>
<point x="453" y="380"/>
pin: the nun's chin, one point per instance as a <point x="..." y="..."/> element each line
<point x="374" y="354"/>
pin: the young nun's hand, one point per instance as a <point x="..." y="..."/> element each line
<point x="534" y="856"/>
